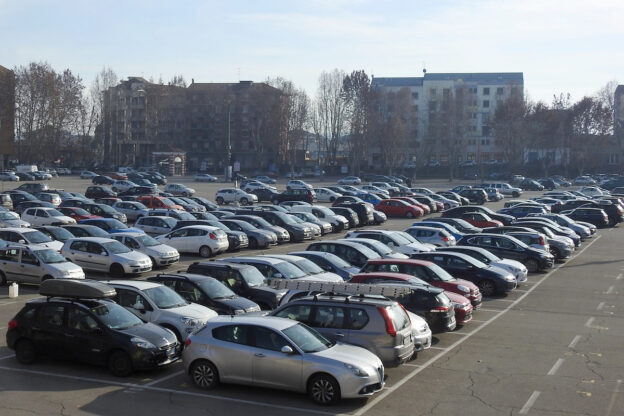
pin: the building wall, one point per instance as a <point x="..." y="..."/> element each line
<point x="7" y="114"/>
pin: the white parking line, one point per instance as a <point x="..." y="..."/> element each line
<point x="575" y="341"/>
<point x="6" y="303"/>
<point x="610" y="290"/>
<point x="6" y="357"/>
<point x="589" y="322"/>
<point x="555" y="367"/>
<point x="619" y="276"/>
<point x="520" y="290"/>
<point x="600" y="306"/>
<point x="529" y="403"/>
<point x="151" y="383"/>
<point x="373" y="402"/>
<point x="488" y="310"/>
<point x="437" y="348"/>
<point x="182" y="392"/>
<point x="411" y="365"/>
<point x="476" y="320"/>
<point x="616" y="390"/>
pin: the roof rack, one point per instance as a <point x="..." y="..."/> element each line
<point x="76" y="288"/>
<point x="341" y="288"/>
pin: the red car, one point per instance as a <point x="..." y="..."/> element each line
<point x="426" y="209"/>
<point x="155" y="202"/>
<point x="478" y="219"/>
<point x="398" y="208"/>
<point x="76" y="213"/>
<point x="430" y="273"/>
<point x="463" y="308"/>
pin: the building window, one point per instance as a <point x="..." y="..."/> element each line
<point x="514" y="90"/>
<point x="613" y="159"/>
<point x="499" y="91"/>
<point x="486" y="132"/>
<point x="486" y="103"/>
<point x="486" y="91"/>
<point x="446" y="93"/>
<point x="415" y="95"/>
<point x="432" y="92"/>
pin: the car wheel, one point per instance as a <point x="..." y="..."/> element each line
<point x="204" y="374"/>
<point x="515" y="194"/>
<point x="244" y="201"/>
<point x="323" y="389"/>
<point x="117" y="270"/>
<point x="332" y="199"/>
<point x="409" y="214"/>
<point x="220" y="200"/>
<point x="487" y="287"/>
<point x="205" y="251"/>
<point x="3" y="279"/>
<point x="253" y="243"/>
<point x="531" y="265"/>
<point x="556" y="253"/>
<point x="185" y="194"/>
<point x="275" y="202"/>
<point x="25" y="351"/>
<point x="154" y="265"/>
<point x="120" y="364"/>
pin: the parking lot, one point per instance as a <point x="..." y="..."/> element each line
<point x="551" y="347"/>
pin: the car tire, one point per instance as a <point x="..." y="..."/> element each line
<point x="120" y="364"/>
<point x="332" y="199"/>
<point x="3" y="279"/>
<point x="275" y="202"/>
<point x="487" y="287"/>
<point x="323" y="389"/>
<point x="117" y="270"/>
<point x="556" y="252"/>
<point x="532" y="265"/>
<point x="409" y="214"/>
<point x="25" y="351"/>
<point x="219" y="200"/>
<point x="243" y="201"/>
<point x="515" y="194"/>
<point x="154" y="265"/>
<point x="253" y="243"/>
<point x="204" y="374"/>
<point x="185" y="194"/>
<point x="205" y="251"/>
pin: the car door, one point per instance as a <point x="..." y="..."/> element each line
<point x="232" y="352"/>
<point x="331" y="321"/>
<point x="77" y="253"/>
<point x="9" y="259"/>
<point x="177" y="239"/>
<point x="30" y="267"/>
<point x="49" y="332"/>
<point x="84" y="336"/>
<point x="268" y="356"/>
<point x="97" y="257"/>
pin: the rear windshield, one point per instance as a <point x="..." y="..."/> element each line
<point x="399" y="318"/>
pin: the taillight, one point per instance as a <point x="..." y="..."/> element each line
<point x="542" y="241"/>
<point x="12" y="324"/>
<point x="187" y="342"/>
<point x="212" y="236"/>
<point x="388" y="321"/>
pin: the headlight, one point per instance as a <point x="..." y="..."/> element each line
<point x="463" y="288"/>
<point x="356" y="370"/>
<point x="423" y="329"/>
<point x="239" y="311"/>
<point x="65" y="273"/>
<point x="510" y="278"/>
<point x="142" y="343"/>
<point x="188" y="321"/>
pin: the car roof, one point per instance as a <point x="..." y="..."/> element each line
<point x="182" y="275"/>
<point x="129" y="234"/>
<point x="17" y="229"/>
<point x="273" y="322"/>
<point x="92" y="239"/>
<point x="137" y="284"/>
<point x="424" y="227"/>
<point x="266" y="259"/>
<point x="400" y="261"/>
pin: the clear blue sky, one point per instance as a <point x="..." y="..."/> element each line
<point x="573" y="46"/>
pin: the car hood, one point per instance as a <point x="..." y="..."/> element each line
<point x="509" y="264"/>
<point x="161" y="250"/>
<point x="323" y="277"/>
<point x="14" y="223"/>
<point x="350" y="354"/>
<point x="193" y="310"/>
<point x="132" y="256"/>
<point x="155" y="334"/>
<point x="415" y="248"/>
<point x="237" y="302"/>
<point x="54" y="245"/>
<point x="67" y="266"/>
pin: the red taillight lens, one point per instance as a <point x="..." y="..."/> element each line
<point x="212" y="236"/>
<point x="388" y="321"/>
<point x="542" y="242"/>
<point x="440" y="309"/>
<point x="187" y="342"/>
<point x="12" y="324"/>
<point x="445" y="239"/>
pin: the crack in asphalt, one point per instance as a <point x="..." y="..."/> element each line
<point x="474" y="394"/>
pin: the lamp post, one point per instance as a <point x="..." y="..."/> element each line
<point x="228" y="149"/>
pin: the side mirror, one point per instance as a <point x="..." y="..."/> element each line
<point x="287" y="350"/>
<point x="139" y="307"/>
<point x="103" y="253"/>
<point x="21" y="242"/>
<point x="277" y="275"/>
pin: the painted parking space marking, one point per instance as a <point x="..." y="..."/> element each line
<point x="616" y="390"/>
<point x="600" y="306"/>
<point x="575" y="341"/>
<point x="158" y="380"/>
<point x="6" y="357"/>
<point x="555" y="367"/>
<point x="610" y="290"/>
<point x="529" y="403"/>
<point x="589" y="322"/>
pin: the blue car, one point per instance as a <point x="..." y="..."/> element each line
<point x="329" y="262"/>
<point x="368" y="197"/>
<point x="442" y="225"/>
<point x="111" y="225"/>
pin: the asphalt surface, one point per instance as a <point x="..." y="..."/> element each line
<point x="551" y="347"/>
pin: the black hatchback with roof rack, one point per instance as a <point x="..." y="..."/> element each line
<point x="78" y="321"/>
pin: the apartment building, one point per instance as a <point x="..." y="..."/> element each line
<point x="7" y="114"/>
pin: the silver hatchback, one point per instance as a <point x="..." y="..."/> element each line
<point x="280" y="353"/>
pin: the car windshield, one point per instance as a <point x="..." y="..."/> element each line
<point x="215" y="289"/>
<point x="115" y="316"/>
<point x="289" y="271"/>
<point x="36" y="237"/>
<point x="286" y="218"/>
<point x="406" y="236"/>
<point x="440" y="273"/>
<point x="116" y="247"/>
<point x="116" y="224"/>
<point x="171" y="222"/>
<point x="252" y="276"/>
<point x="60" y="234"/>
<point x="326" y="211"/>
<point x="167" y="201"/>
<point x="261" y="222"/>
<point x="307" y="339"/>
<point x="308" y="266"/>
<point x="297" y="219"/>
<point x="81" y="212"/>
<point x="165" y="298"/>
<point x="186" y="216"/>
<point x="147" y="241"/>
<point x="50" y="256"/>
<point x="245" y="226"/>
<point x="546" y="230"/>
<point x="377" y="246"/>
<point x="400" y="239"/>
<point x="108" y="209"/>
<point x="8" y="215"/>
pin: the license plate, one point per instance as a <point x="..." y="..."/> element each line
<point x="407" y="339"/>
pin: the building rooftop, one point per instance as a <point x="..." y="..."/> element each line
<point x="484" y="78"/>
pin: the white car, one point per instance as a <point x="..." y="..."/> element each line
<point x="178" y="189"/>
<point x="133" y="210"/>
<point x="326" y="195"/>
<point x="35" y="264"/>
<point x="376" y="189"/>
<point x="105" y="255"/>
<point x="28" y="236"/>
<point x="46" y="216"/>
<point x="298" y="184"/>
<point x="11" y="219"/>
<point x="202" y="239"/>
<point x="593" y="191"/>
<point x="504" y="188"/>
<point x="436" y="236"/>
<point x="204" y="177"/>
<point x="87" y="174"/>
<point x="422" y="191"/>
<point x="229" y="195"/>
<point x="386" y="187"/>
<point x="8" y="176"/>
<point x="253" y="185"/>
<point x="584" y="180"/>
<point x="349" y="180"/>
<point x="161" y="254"/>
<point x="161" y="305"/>
<point x="399" y="241"/>
<point x="155" y="225"/>
<point x="122" y="186"/>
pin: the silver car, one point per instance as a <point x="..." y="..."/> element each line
<point x="155" y="225"/>
<point x="248" y="350"/>
<point x="35" y="264"/>
<point x="11" y="219"/>
<point x="436" y="236"/>
<point x="132" y="209"/>
<point x="105" y="255"/>
<point x="160" y="254"/>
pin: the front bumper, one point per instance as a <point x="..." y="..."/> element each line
<point x="352" y="386"/>
<point x="165" y="261"/>
<point x="137" y="269"/>
<point x="156" y="357"/>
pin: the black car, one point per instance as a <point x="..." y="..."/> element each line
<point x="102" y="180"/>
<point x="458" y="211"/>
<point x="32" y="188"/>
<point x="548" y="184"/>
<point x="76" y="320"/>
<point x="55" y="233"/>
<point x="25" y="176"/>
<point x="305" y="195"/>
<point x="363" y="211"/>
<point x="97" y="191"/>
<point x="74" y="202"/>
<point x="207" y="291"/>
<point x="510" y="248"/>
<point x="104" y="210"/>
<point x="475" y="195"/>
<point x="614" y="211"/>
<point x="265" y="194"/>
<point x="156" y="178"/>
<point x="462" y="226"/>
<point x="530" y="185"/>
<point x="341" y="190"/>
<point x="242" y="279"/>
<point x="454" y="196"/>
<point x="347" y="199"/>
<point x="22" y="206"/>
<point x="349" y="214"/>
<point x="490" y="280"/>
<point x="595" y="216"/>
<point x="209" y="205"/>
<point x="569" y="205"/>
<point x="139" y="190"/>
<point x="298" y="232"/>
<point x="18" y="196"/>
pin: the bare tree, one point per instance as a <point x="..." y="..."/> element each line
<point x="592" y="124"/>
<point x="331" y="115"/>
<point x="357" y="93"/>
<point x="606" y="95"/>
<point x="510" y="128"/>
<point x="177" y="81"/>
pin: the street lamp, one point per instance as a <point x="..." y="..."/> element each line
<point x="228" y="149"/>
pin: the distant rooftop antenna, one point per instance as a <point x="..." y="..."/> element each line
<point x="424" y="68"/>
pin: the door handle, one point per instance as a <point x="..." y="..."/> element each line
<point x="339" y="334"/>
<point x="259" y="354"/>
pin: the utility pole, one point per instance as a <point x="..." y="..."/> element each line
<point x="228" y="150"/>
